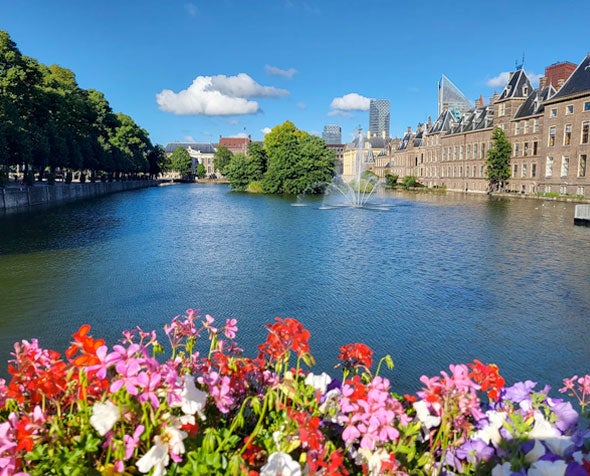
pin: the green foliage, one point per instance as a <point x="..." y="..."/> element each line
<point x="201" y="171"/>
<point x="181" y="162"/>
<point x="391" y="180"/>
<point x="410" y="181"/>
<point x="221" y="159"/>
<point x="498" y="160"/>
<point x="237" y="172"/>
<point x="47" y="120"/>
<point x="297" y="162"/>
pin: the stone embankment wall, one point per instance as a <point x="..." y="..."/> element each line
<point x="18" y="197"/>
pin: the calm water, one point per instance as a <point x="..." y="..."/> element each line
<point x="432" y="281"/>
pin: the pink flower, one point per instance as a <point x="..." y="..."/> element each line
<point x="131" y="442"/>
<point x="230" y="328"/>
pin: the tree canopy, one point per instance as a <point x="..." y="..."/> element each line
<point x="221" y="159"/>
<point x="498" y="160"/>
<point x="47" y="122"/>
<point x="181" y="162"/>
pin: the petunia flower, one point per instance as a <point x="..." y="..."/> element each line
<point x="280" y="464"/>
<point x="168" y="446"/>
<point x="104" y="416"/>
<point x="319" y="382"/>
<point x="548" y="468"/>
<point x="192" y="400"/>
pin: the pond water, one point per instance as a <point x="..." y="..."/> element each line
<point x="430" y="279"/>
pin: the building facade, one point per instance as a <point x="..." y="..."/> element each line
<point x="332" y="134"/>
<point x="548" y="128"/>
<point x="379" y="117"/>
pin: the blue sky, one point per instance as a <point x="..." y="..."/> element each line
<point x="200" y="69"/>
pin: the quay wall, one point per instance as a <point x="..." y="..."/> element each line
<point x="15" y="198"/>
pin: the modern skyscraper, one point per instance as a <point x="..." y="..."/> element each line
<point x="379" y="117"/>
<point x="451" y="97"/>
<point x="332" y="134"/>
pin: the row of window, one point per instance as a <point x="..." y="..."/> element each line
<point x="524" y="170"/>
<point x="469" y="151"/>
<point x="565" y="166"/>
<point x="525" y="151"/>
<point x="525" y="126"/>
<point x="567" y="134"/>
<point x="569" y="109"/>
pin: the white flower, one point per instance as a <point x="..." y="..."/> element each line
<point x="374" y="460"/>
<point x="193" y="400"/>
<point x="542" y="429"/>
<point x="558" y="444"/>
<point x="548" y="468"/>
<point x="428" y="420"/>
<point x="536" y="452"/>
<point x="104" y="416"/>
<point x="491" y="432"/>
<point x="502" y="470"/>
<point x="280" y="464"/>
<point x="171" y="441"/>
<point x="319" y="382"/>
<point x="157" y="458"/>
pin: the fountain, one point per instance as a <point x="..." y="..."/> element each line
<point x="361" y="189"/>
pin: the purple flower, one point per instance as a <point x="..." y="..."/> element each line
<point x="474" y="451"/>
<point x="567" y="417"/>
<point x="520" y="391"/>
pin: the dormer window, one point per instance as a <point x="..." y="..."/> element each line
<point x="525" y="90"/>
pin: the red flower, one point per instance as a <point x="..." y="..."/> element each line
<point x="488" y="377"/>
<point x="356" y="355"/>
<point x="283" y="336"/>
<point x="86" y="345"/>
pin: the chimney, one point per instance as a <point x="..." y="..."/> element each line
<point x="494" y="98"/>
<point x="542" y="82"/>
<point x="409" y="129"/>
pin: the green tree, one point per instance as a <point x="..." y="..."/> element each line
<point x="297" y="161"/>
<point x="221" y="159"/>
<point x="237" y="172"/>
<point x="158" y="161"/>
<point x="181" y="162"/>
<point x="498" y="161"/>
<point x="200" y="171"/>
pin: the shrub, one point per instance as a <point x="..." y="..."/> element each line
<point x="68" y="177"/>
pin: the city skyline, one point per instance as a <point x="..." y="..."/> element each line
<point x="196" y="71"/>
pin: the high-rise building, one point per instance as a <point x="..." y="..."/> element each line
<point x="379" y="117"/>
<point x="451" y="97"/>
<point x="332" y="134"/>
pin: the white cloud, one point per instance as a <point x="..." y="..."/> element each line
<point x="350" y="102"/>
<point x="274" y="71"/>
<point x="535" y="78"/>
<point x="266" y="130"/>
<point x="217" y="96"/>
<point x="499" y="81"/>
<point x="192" y="9"/>
<point x="188" y="139"/>
<point x="339" y="113"/>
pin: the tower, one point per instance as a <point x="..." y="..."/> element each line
<point x="379" y="117"/>
<point x="332" y="134"/>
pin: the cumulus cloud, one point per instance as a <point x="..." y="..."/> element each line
<point x="535" y="78"/>
<point x="217" y="96"/>
<point x="189" y="139"/>
<point x="274" y="71"/>
<point x="499" y="81"/>
<point x="350" y="102"/>
<point x="266" y="130"/>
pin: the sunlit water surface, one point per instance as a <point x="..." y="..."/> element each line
<point x="431" y="280"/>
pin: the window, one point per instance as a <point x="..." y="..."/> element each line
<point x="515" y="173"/>
<point x="549" y="167"/>
<point x="580" y="191"/>
<point x="585" y="129"/>
<point x="516" y="128"/>
<point x="582" y="166"/>
<point x="553" y="112"/>
<point x="526" y="127"/>
<point x="468" y="151"/>
<point x="536" y="125"/>
<point x="475" y="151"/>
<point x="587" y="106"/>
<point x="569" y="109"/>
<point x="525" y="150"/>
<point x="460" y="152"/>
<point x="501" y="110"/>
<point x="481" y="170"/>
<point x="533" y="170"/>
<point x="516" y="150"/>
<point x="565" y="166"/>
<point x="535" y="147"/>
<point x="563" y="189"/>
<point x="552" y="131"/>
<point x="474" y="170"/>
<point x="524" y="170"/>
<point x="567" y="134"/>
<point x="483" y="151"/>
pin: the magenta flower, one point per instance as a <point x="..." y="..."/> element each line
<point x="230" y="328"/>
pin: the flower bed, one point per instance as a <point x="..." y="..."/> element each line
<point x="127" y="410"/>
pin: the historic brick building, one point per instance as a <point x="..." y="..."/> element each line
<point x="548" y="127"/>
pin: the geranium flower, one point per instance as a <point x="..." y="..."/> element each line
<point x="356" y="355"/>
<point x="104" y="416"/>
<point x="168" y="446"/>
<point x="280" y="464"/>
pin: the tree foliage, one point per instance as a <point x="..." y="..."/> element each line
<point x="47" y="122"/>
<point x="221" y="159"/>
<point x="181" y="162"/>
<point x="297" y="161"/>
<point x="498" y="160"/>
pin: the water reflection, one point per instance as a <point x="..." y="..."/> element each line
<point x="433" y="280"/>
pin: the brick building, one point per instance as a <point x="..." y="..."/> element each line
<point x="548" y="127"/>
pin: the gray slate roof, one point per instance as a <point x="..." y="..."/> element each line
<point x="578" y="82"/>
<point x="203" y="147"/>
<point x="518" y="86"/>
<point x="534" y="103"/>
